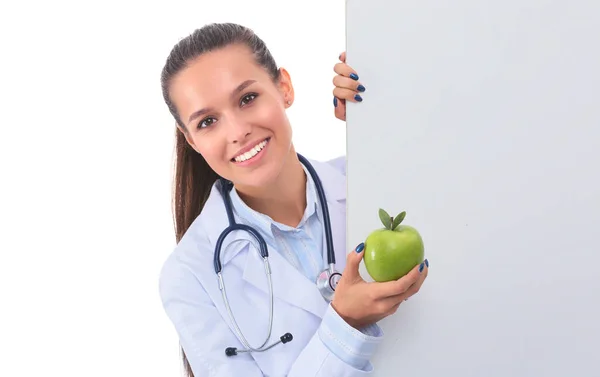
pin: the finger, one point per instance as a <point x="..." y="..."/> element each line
<point x="394" y="308"/>
<point x="347" y="94"/>
<point x="340" y="108"/>
<point x="388" y="305"/>
<point x="414" y="289"/>
<point x="353" y="259"/>
<point x="348" y="83"/>
<point x="400" y="286"/>
<point x="343" y="56"/>
<point x="345" y="70"/>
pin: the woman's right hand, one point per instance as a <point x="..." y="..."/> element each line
<point x="362" y="303"/>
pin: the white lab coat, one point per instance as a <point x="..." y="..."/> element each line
<point x="193" y="302"/>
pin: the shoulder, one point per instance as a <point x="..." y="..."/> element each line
<point x="333" y="165"/>
<point x="188" y="268"/>
<point x="183" y="267"/>
<point x="332" y="174"/>
<point x="339" y="163"/>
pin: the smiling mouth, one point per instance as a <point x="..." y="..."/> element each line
<point x="252" y="152"/>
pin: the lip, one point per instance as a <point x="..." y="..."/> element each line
<point x="248" y="148"/>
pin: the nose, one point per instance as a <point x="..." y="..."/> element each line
<point x="238" y="131"/>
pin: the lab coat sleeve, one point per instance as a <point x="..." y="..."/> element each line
<point x="352" y="346"/>
<point x="204" y="335"/>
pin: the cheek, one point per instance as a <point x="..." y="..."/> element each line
<point x="271" y="117"/>
<point x="209" y="148"/>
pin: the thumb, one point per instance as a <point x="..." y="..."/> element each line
<point x="340" y="108"/>
<point x="352" y="263"/>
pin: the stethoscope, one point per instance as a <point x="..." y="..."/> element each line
<point x="326" y="281"/>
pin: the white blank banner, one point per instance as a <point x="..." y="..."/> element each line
<point x="482" y="121"/>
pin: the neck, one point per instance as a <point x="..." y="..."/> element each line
<point x="283" y="200"/>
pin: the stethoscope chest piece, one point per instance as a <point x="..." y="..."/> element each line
<point x="327" y="281"/>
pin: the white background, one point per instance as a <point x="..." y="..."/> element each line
<point x="86" y="147"/>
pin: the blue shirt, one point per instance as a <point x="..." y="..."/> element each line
<point x="302" y="247"/>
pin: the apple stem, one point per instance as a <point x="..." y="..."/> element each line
<point x="391" y="222"/>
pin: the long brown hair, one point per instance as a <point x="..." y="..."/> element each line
<point x="193" y="177"/>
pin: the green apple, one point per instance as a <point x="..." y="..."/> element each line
<point x="393" y="251"/>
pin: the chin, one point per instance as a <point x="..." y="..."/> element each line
<point x="263" y="175"/>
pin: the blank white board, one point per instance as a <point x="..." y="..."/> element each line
<point x="481" y="119"/>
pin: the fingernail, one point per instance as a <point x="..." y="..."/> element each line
<point x="360" y="247"/>
<point x="361" y="88"/>
<point x="427" y="263"/>
<point x="421" y="267"/>
<point x="354" y="76"/>
<point x="335" y="101"/>
<point x="358" y="98"/>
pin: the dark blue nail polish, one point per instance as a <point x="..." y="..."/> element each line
<point x="427" y="263"/>
<point x="421" y="267"/>
<point x="358" y="98"/>
<point x="361" y="88"/>
<point x="354" y="76"/>
<point x="335" y="101"/>
<point x="360" y="247"/>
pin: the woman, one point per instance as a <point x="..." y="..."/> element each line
<point x="229" y="100"/>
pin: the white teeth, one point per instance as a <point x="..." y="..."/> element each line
<point x="251" y="153"/>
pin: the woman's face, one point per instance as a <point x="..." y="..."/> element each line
<point x="234" y="115"/>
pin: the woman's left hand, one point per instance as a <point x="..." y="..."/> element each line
<point x="347" y="87"/>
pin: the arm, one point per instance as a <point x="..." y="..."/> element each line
<point x="337" y="349"/>
<point x="204" y="335"/>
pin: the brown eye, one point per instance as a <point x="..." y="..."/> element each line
<point x="248" y="98"/>
<point x="206" y="122"/>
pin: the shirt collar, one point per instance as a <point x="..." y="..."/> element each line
<point x="266" y="224"/>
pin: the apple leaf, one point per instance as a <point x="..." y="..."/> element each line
<point x="386" y="219"/>
<point x="398" y="219"/>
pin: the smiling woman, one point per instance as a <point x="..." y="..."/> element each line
<point x="232" y="110"/>
<point x="234" y="147"/>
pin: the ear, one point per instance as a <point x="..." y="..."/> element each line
<point x="286" y="88"/>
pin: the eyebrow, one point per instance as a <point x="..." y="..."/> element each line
<point x="239" y="88"/>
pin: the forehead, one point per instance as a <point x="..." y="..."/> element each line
<point x="212" y="77"/>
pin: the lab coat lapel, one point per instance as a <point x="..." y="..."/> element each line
<point x="289" y="284"/>
<point x="337" y="215"/>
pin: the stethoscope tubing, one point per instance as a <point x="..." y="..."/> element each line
<point x="225" y="188"/>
